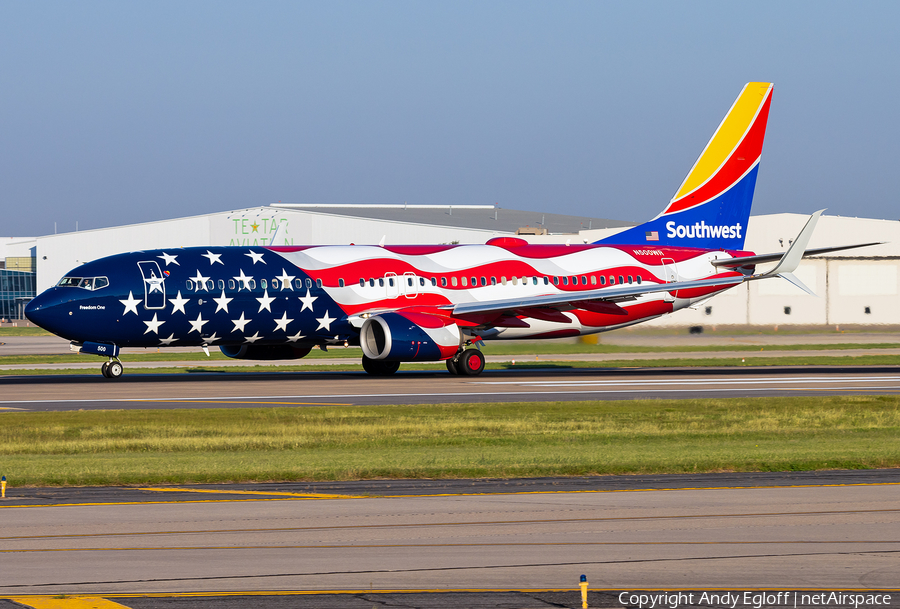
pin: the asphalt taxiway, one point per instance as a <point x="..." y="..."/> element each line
<point x="229" y="390"/>
<point x="824" y="530"/>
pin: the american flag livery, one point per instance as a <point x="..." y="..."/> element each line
<point x="408" y="303"/>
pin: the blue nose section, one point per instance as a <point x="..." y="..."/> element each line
<point x="44" y="310"/>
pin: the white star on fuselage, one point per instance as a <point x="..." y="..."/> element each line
<point x="281" y="324"/>
<point x="153" y="325"/>
<point x="256" y="256"/>
<point x="155" y="284"/>
<point x="222" y="302"/>
<point x="265" y="302"/>
<point x="178" y="303"/>
<point x="200" y="281"/>
<point x="240" y="323"/>
<point x="244" y="279"/>
<point x="295" y="337"/>
<point x="307" y="301"/>
<point x="213" y="258"/>
<point x="130" y="303"/>
<point x="167" y="341"/>
<point x="211" y="339"/>
<point x="197" y="324"/>
<point x="325" y="322"/>
<point x="253" y="339"/>
<point x="170" y="259"/>
<point x="286" y="280"/>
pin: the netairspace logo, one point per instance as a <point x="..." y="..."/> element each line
<point x="702" y="230"/>
<point x="756" y="600"/>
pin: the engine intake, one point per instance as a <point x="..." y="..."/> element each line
<point x="264" y="352"/>
<point x="409" y="337"/>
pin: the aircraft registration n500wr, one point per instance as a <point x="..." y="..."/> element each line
<point x="432" y="302"/>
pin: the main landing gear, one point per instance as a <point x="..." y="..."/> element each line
<point x="112" y="369"/>
<point x="466" y="363"/>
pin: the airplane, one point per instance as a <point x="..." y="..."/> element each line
<point x="415" y="303"/>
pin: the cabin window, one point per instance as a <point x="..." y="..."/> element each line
<point x="422" y="281"/>
<point x="380" y="282"/>
<point x="341" y="282"/>
<point x="298" y="284"/>
<point x="493" y="281"/>
<point x="362" y="282"/>
<point x="555" y="280"/>
<point x="584" y="280"/>
<point x="546" y="281"/>
<point x="464" y="281"/>
<point x="391" y="281"/>
<point x="275" y="284"/>
<point x="371" y="282"/>
<point x="443" y="282"/>
<point x="475" y="281"/>
<point x="100" y="282"/>
<point x="593" y="280"/>
<point x="187" y="284"/>
<point x="409" y="281"/>
<point x="453" y="281"/>
<point x="263" y="284"/>
<point x="503" y="280"/>
<point x="602" y="280"/>
<point x="565" y="281"/>
<point x="252" y="284"/>
<point x="209" y="285"/>
<point x="621" y="279"/>
<point x="639" y="279"/>
<point x="231" y="284"/>
<point x="221" y="284"/>
<point x="630" y="279"/>
<point x="434" y="281"/>
<point x="318" y="283"/>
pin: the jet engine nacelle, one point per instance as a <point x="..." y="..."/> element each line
<point x="265" y="352"/>
<point x="409" y="337"/>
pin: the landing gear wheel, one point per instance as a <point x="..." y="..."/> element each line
<point x="104" y="370"/>
<point x="471" y="362"/>
<point x="114" y="369"/>
<point x="377" y="367"/>
<point x="452" y="365"/>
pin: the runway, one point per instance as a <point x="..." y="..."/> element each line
<point x="626" y="533"/>
<point x="228" y="390"/>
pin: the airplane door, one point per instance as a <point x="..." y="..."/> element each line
<point x="410" y="285"/>
<point x="671" y="273"/>
<point x="154" y="285"/>
<point x="392" y="285"/>
<point x="670" y="270"/>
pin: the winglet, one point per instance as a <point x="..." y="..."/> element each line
<point x="791" y="259"/>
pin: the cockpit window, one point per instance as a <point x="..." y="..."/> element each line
<point x="86" y="283"/>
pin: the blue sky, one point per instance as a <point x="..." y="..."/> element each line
<point x="118" y="112"/>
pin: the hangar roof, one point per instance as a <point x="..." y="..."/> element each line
<point x="479" y="217"/>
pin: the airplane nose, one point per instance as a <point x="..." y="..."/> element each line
<point x="40" y="310"/>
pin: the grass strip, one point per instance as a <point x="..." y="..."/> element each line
<point x="449" y="440"/>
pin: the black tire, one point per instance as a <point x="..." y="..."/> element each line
<point x="114" y="370"/>
<point x="452" y="365"/>
<point x="377" y="367"/>
<point x="104" y="370"/>
<point x="471" y="362"/>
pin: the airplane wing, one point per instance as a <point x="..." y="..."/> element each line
<point x="763" y="258"/>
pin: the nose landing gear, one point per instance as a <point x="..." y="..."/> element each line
<point x="112" y="369"/>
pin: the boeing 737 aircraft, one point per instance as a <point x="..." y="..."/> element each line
<point x="431" y="302"/>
